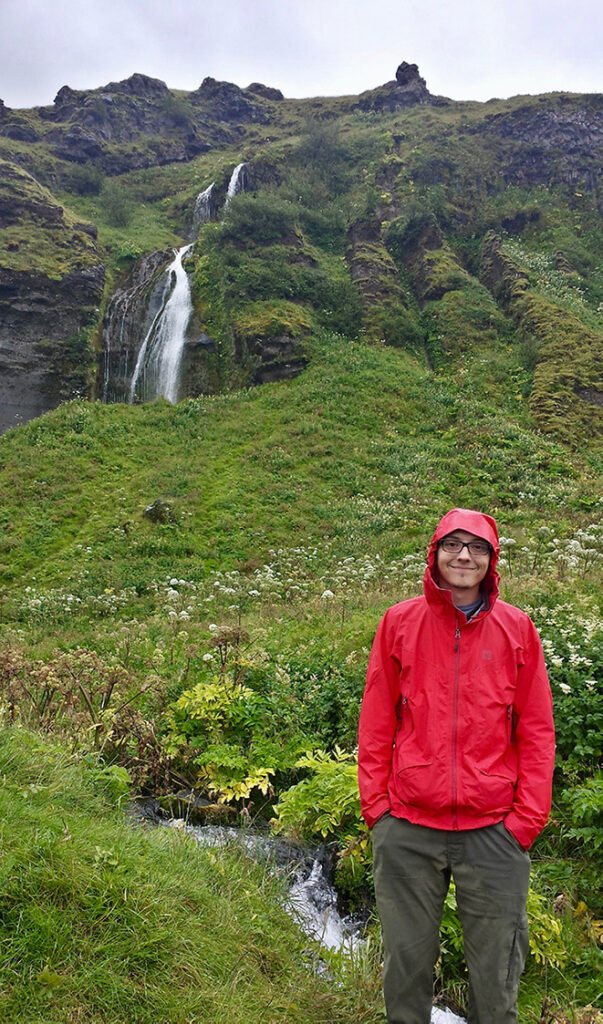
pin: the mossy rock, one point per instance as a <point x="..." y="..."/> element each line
<point x="464" y="319"/>
<point x="38" y="234"/>
<point x="270" y="319"/>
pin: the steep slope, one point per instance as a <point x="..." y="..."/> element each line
<point x="367" y="215"/>
<point x="51" y="286"/>
<point x="359" y="452"/>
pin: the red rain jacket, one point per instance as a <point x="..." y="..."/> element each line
<point x="456" y="728"/>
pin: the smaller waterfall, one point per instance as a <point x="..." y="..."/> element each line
<point x="150" y="317"/>
<point x="120" y="311"/>
<point x="237" y="183"/>
<point x="158" y="364"/>
<point x="203" y="209"/>
<point x="127" y="320"/>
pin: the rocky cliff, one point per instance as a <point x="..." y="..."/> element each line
<point x="371" y="216"/>
<point x="51" y="283"/>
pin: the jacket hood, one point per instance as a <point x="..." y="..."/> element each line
<point x="477" y="523"/>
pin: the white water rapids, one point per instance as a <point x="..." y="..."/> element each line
<point x="157" y="370"/>
<point x="312" y="900"/>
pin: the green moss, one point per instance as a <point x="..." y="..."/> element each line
<point x="464" y="319"/>
<point x="567" y="350"/>
<point x="272" y="318"/>
<point x="40" y="235"/>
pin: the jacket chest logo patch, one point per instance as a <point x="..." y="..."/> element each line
<point x="486" y="655"/>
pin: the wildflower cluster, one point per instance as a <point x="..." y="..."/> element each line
<point x="572" y="641"/>
<point x="560" y="286"/>
<point x="373" y="574"/>
<point x="177" y="607"/>
<point x="298" y="575"/>
<point x="58" y="604"/>
<point x="572" y="556"/>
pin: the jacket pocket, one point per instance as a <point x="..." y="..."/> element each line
<point x="415" y="782"/>
<point x="488" y="791"/>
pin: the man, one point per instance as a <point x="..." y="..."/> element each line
<point x="456" y="753"/>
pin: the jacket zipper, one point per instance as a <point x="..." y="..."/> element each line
<point x="455" y="714"/>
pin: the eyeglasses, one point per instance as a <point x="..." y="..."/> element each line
<point x="475" y="547"/>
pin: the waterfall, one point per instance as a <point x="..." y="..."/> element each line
<point x="203" y="209"/>
<point x="237" y="183"/>
<point x="162" y="323"/>
<point x="129" y="314"/>
<point x="157" y="367"/>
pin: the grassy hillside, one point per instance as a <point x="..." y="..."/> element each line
<point x="363" y="450"/>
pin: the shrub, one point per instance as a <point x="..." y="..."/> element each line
<point x="262" y="219"/>
<point x="117" y="205"/>
<point x="85" y="179"/>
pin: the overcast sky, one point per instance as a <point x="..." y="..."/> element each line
<point x="465" y="49"/>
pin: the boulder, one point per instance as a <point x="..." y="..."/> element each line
<point x="227" y="101"/>
<point x="159" y="512"/>
<point x="265" y="91"/>
<point x="407" y="90"/>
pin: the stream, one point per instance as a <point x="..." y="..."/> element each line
<point x="312" y="900"/>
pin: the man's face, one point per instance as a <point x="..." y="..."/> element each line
<point x="462" y="570"/>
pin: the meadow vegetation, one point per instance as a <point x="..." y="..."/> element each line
<point x="451" y="322"/>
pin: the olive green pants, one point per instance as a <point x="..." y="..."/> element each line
<point x="412" y="869"/>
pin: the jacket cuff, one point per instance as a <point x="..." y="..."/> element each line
<point x="524" y="834"/>
<point x="376" y="811"/>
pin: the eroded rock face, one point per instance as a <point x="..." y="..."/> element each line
<point x="228" y="101"/>
<point x="51" y="283"/>
<point x="90" y="122"/>
<point x="407" y="90"/>
<point x="139" y="122"/>
<point x="271" y="358"/>
<point x="408" y="75"/>
<point x="129" y="316"/>
<point x="558" y="141"/>
<point x="45" y="355"/>
<point x="265" y="91"/>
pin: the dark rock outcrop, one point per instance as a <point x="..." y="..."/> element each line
<point x="265" y="91"/>
<point x="130" y="313"/>
<point x="45" y="354"/>
<point x="556" y="140"/>
<point x="407" y="90"/>
<point x="13" y="125"/>
<point x="228" y="102"/>
<point x="90" y="123"/>
<point x="51" y="283"/>
<point x="279" y="358"/>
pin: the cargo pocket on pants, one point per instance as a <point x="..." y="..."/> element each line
<point x="518" y="953"/>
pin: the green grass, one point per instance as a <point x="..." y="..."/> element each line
<point x="45" y="238"/>
<point x="248" y="471"/>
<point x="105" y="921"/>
